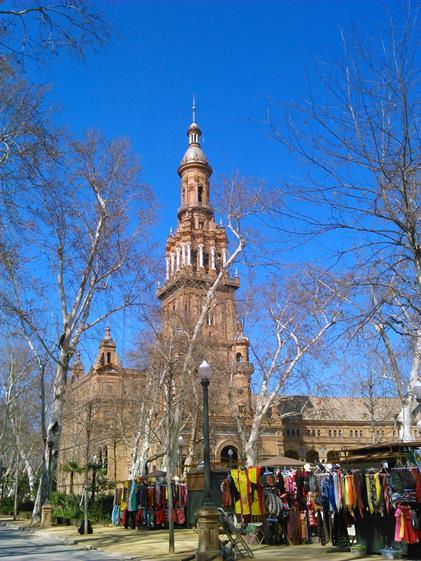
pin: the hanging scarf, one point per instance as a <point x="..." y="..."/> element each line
<point x="369" y="496"/>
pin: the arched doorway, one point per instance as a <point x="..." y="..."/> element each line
<point x="227" y="458"/>
<point x="333" y="456"/>
<point x="312" y="456"/>
<point x="292" y="454"/>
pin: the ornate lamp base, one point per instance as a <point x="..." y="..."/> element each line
<point x="208" y="530"/>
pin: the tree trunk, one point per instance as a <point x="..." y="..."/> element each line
<point x="407" y="407"/>
<point x="15" y="502"/>
<point x="250" y="448"/>
<point x="406" y="412"/>
<point x="115" y="459"/>
<point x="30" y="474"/>
<point x="52" y="444"/>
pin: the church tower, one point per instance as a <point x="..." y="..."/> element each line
<point x="195" y="254"/>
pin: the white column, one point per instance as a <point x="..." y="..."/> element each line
<point x="224" y="256"/>
<point x="188" y="254"/>
<point x="167" y="267"/>
<point x="200" y="255"/>
<point x="183" y="254"/>
<point x="213" y="260"/>
<point x="178" y="258"/>
<point x="172" y="262"/>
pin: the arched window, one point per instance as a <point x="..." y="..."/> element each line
<point x="108" y="358"/>
<point x="333" y="456"/>
<point x="200" y="194"/>
<point x="292" y="454"/>
<point x="239" y="357"/>
<point x="312" y="456"/>
<point x="225" y="456"/>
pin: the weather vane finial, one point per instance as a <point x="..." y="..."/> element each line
<point x="194" y="108"/>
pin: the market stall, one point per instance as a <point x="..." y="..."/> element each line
<point x="143" y="502"/>
<point x="377" y="490"/>
<point x="387" y="484"/>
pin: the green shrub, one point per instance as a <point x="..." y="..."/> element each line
<point x="65" y="506"/>
<point x="100" y="510"/>
<point x="26" y="506"/>
<point x="6" y="506"/>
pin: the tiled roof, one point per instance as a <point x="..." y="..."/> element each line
<point x="313" y="408"/>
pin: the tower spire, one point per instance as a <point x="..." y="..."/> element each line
<point x="194" y="108"/>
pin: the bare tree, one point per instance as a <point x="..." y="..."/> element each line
<point x="358" y="137"/>
<point x="20" y="408"/>
<point x="361" y="149"/>
<point x="35" y="29"/>
<point x="295" y="317"/>
<point x="87" y="233"/>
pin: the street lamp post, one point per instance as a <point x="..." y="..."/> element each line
<point x="180" y="442"/>
<point x="230" y="455"/>
<point x="95" y="465"/>
<point x="204" y="375"/>
<point x="208" y="515"/>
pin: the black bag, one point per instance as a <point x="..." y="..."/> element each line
<point x="81" y="528"/>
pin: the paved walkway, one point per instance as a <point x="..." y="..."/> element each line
<point x="153" y="545"/>
<point x="21" y="546"/>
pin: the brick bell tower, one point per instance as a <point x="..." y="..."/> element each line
<point x="195" y="254"/>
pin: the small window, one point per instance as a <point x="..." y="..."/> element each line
<point x="334" y="433"/>
<point x="200" y="194"/>
<point x="288" y="432"/>
<point x="330" y="432"/>
<point x="201" y="225"/>
<point x="308" y="432"/>
<point x="319" y="432"/>
<point x="361" y="432"/>
<point x="351" y="433"/>
<point x="108" y="358"/>
<point x="297" y="432"/>
<point x="239" y="357"/>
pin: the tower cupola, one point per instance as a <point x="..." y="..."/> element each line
<point x="194" y="155"/>
<point x="107" y="355"/>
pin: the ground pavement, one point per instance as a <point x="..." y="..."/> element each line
<point x="146" y="545"/>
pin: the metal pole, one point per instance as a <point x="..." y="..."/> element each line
<point x="207" y="501"/>
<point x="180" y="461"/>
<point x="15" y="502"/>
<point x="93" y="481"/>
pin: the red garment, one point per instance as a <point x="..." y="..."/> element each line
<point x="159" y="517"/>
<point x="407" y="533"/>
<point x="226" y="494"/>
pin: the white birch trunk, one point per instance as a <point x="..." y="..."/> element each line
<point x="406" y="415"/>
<point x="52" y="444"/>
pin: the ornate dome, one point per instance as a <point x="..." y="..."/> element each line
<point x="194" y="153"/>
<point x="108" y="340"/>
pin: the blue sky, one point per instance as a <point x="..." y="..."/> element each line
<point x="234" y="55"/>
